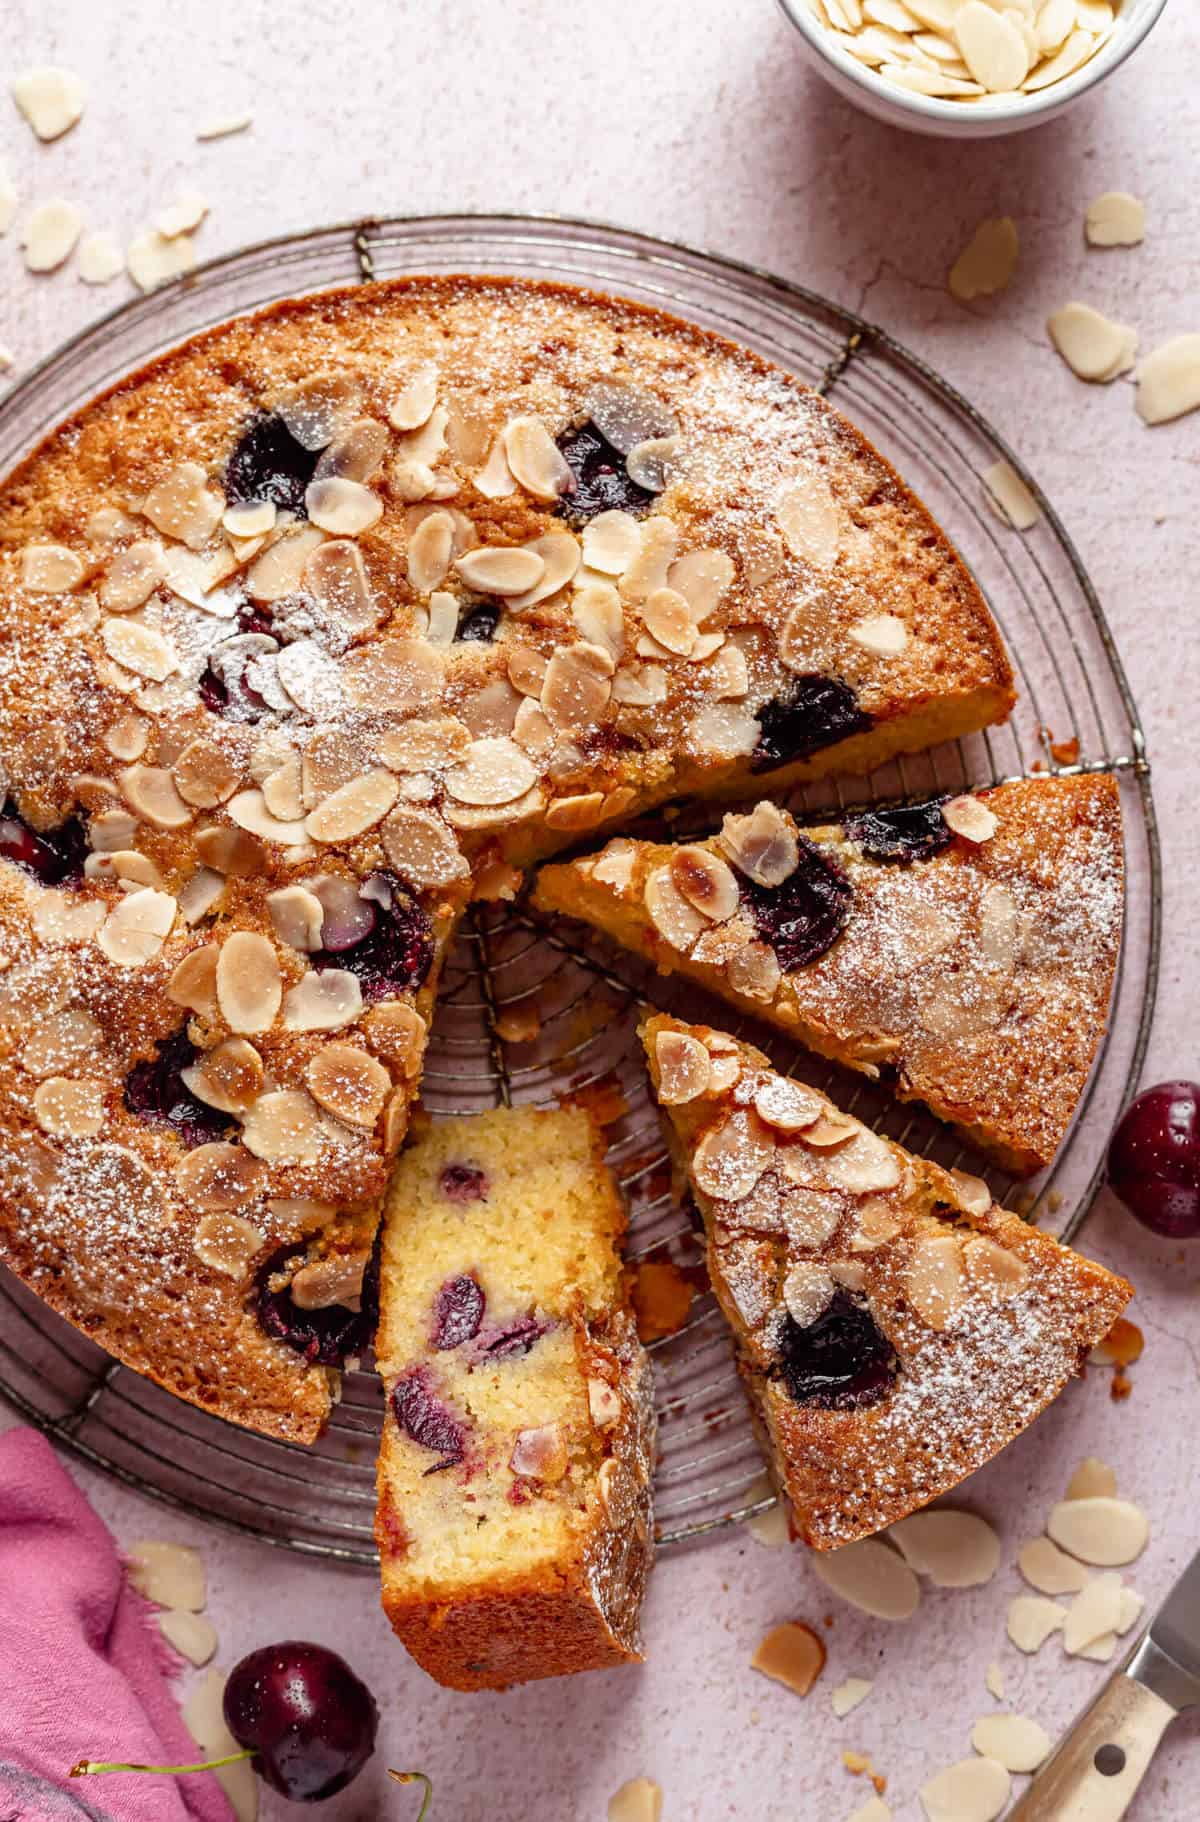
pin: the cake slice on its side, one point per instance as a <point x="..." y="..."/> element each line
<point x="895" y="1328"/>
<point x="965" y="947"/>
<point x="514" y="1518"/>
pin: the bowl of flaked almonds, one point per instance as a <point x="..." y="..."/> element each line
<point x="969" y="69"/>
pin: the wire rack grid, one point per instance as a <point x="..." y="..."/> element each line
<point x="529" y="1014"/>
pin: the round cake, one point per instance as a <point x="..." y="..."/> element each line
<point x="326" y="620"/>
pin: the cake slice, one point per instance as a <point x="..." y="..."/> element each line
<point x="514" y="1517"/>
<point x="895" y="1328"/>
<point x="962" y="949"/>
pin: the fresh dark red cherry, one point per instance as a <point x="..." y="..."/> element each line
<point x="841" y="1361"/>
<point x="421" y="1414"/>
<point x="906" y="832"/>
<point x="817" y="712"/>
<point x="602" y="482"/>
<point x="396" y="953"/>
<point x="457" y="1312"/>
<point x="310" y="1722"/>
<point x="267" y="463"/>
<point x="329" y="1336"/>
<point x="1154" y="1159"/>
<point x="804" y="916"/>
<point x="463" y="1183"/>
<point x="156" y="1092"/>
<point x="54" y="856"/>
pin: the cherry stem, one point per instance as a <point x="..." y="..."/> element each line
<point x="414" y="1777"/>
<point x="89" y="1768"/>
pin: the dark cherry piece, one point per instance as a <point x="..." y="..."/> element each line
<point x="156" y="1092"/>
<point x="310" y="1722"/>
<point x="817" y="712"/>
<point x="1154" y="1159"/>
<point x="397" y="953"/>
<point x="421" y="1414"/>
<point x="457" y="1312"/>
<point x="267" y="463"/>
<point x="463" y="1183"/>
<point x="327" y="1337"/>
<point x="54" y="856"/>
<point x="479" y="625"/>
<point x="910" y="831"/>
<point x="517" y="1338"/>
<point x="602" y="482"/>
<point x="804" y="916"/>
<point x="839" y="1362"/>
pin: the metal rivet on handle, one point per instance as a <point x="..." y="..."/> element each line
<point x="1109" y="1761"/>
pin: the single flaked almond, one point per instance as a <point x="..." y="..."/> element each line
<point x="284" y="1127"/>
<point x="1010" y="495"/>
<point x="808" y="1290"/>
<point x="987" y="263"/>
<point x="354" y="808"/>
<point x="1105" y="1532"/>
<point x="250" y="519"/>
<point x="1048" y="1569"/>
<point x="427" y="443"/>
<point x="599" y="619"/>
<point x="204" y="773"/>
<point x="395" y="1122"/>
<point x="139" y="649"/>
<point x="1115" y="219"/>
<point x="933" y="1279"/>
<point x="790" y="1654"/>
<point x="283" y="792"/>
<point x="1031" y="1620"/>
<point x="1092" y="1479"/>
<point x="786" y="1105"/>
<point x="183" y="506"/>
<point x="807" y="515"/>
<point x="50" y="569"/>
<point x="323" y="1002"/>
<point x="577" y="686"/>
<point x="970" y="817"/>
<point x="249" y="988"/>
<point x="1012" y="1740"/>
<point x="132" y="576"/>
<point x="397" y="1031"/>
<point x="850" y="1695"/>
<point x="425" y="745"/>
<point x="336" y="1279"/>
<point x="190" y="1634"/>
<point x="494" y="772"/>
<point x="495" y="479"/>
<point x="878" y="1223"/>
<point x="732" y="1156"/>
<point x="355" y="454"/>
<point x="872" y="1577"/>
<point x="61" y="1041"/>
<point x="122" y="866"/>
<point x="668" y="619"/>
<point x="296" y="916"/>
<point x="684" y="1067"/>
<point x="315" y="408"/>
<point x="649" y="463"/>
<point x="348" y="1083"/>
<point x="336" y="577"/>
<point x="221" y="1176"/>
<point x="703" y="578"/>
<point x="51" y="99"/>
<point x="535" y="459"/>
<point x="152" y="793"/>
<point x="127" y="738"/>
<point x="885" y="634"/>
<point x="649" y="569"/>
<point x="611" y="541"/>
<point x="762" y="845"/>
<point x="559" y="552"/>
<point x="280" y="569"/>
<point x="68" y="1108"/>
<point x="342" y="507"/>
<point x="49" y="233"/>
<point x="170" y="1575"/>
<point x="1093" y="346"/>
<point x="1095" y="1611"/>
<point x="540" y="1453"/>
<point x="754" y="970"/>
<point x="229" y="1077"/>
<point x="864" y="1165"/>
<point x="194" y="982"/>
<point x="973" y="1192"/>
<point x="60" y="918"/>
<point x="677" y="921"/>
<point x="954" y="1549"/>
<point x="421" y="848"/>
<point x="639" y="1800"/>
<point x="975" y="1790"/>
<point x="575" y="814"/>
<point x="416" y="398"/>
<point x="1168" y="380"/>
<point x="112" y="830"/>
<point x="134" y="931"/>
<point x="227" y="1243"/>
<point x="234" y="852"/>
<point x="500" y="570"/>
<point x="992" y="1269"/>
<point x="705" y="881"/>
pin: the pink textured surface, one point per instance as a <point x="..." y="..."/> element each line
<point x="695" y="118"/>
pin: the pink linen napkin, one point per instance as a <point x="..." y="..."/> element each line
<point x="83" y="1668"/>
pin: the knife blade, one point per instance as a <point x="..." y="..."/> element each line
<point x="1096" y="1770"/>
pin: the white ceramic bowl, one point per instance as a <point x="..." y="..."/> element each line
<point x="975" y="119"/>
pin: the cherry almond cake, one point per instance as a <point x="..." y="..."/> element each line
<point x="325" y="619"/>
<point x="963" y="947"/>
<point x="895" y="1328"/>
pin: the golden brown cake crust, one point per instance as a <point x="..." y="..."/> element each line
<point x="985" y="1319"/>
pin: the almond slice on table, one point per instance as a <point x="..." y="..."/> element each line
<point x="100" y="258"/>
<point x="640" y="1800"/>
<point x="1108" y="1533"/>
<point x="190" y="1634"/>
<point x="1093" y="346"/>
<point x="170" y="1575"/>
<point x="1092" y="1479"/>
<point x="975" y="1790"/>
<point x="1031" y="1620"/>
<point x="1116" y="219"/>
<point x="1013" y="1740"/>
<point x="1007" y="493"/>
<point x="954" y="1549"/>
<point x="850" y="1695"/>
<point x="872" y="1577"/>
<point x="988" y="261"/>
<point x="1168" y="380"/>
<point x="49" y="234"/>
<point x="994" y="1680"/>
<point x="1049" y="1569"/>
<point x="51" y="99"/>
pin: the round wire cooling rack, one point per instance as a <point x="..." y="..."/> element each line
<point x="530" y="1014"/>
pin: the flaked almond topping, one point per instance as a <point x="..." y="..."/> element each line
<point x="604" y="1403"/>
<point x="50" y="569"/>
<point x="349" y="1084"/>
<point x="229" y="1077"/>
<point x="284" y="1127"/>
<point x="791" y="1654"/>
<point x="973" y="1192"/>
<point x="668" y="619"/>
<point x="726" y="730"/>
<point x="577" y="687"/>
<point x="933" y="1279"/>
<point x="296" y="916"/>
<point x="993" y="1270"/>
<point x="283" y="790"/>
<point x="111" y="830"/>
<point x="808" y="517"/>
<point x="69" y="1109"/>
<point x="999" y="926"/>
<point x="1012" y="1740"/>
<point x="416" y="399"/>
<point x="786" y="1105"/>
<point x="872" y="1577"/>
<point x="732" y="1156"/>
<point x="227" y="1243"/>
<point x="882" y="633"/>
<point x="132" y="576"/>
<point x="183" y="506"/>
<point x="342" y="507"/>
<point x="123" y="864"/>
<point x="611" y="541"/>
<point x="253" y="519"/>
<point x="495" y="771"/>
<point x="649" y="464"/>
<point x="127" y="737"/>
<point x="599" y="620"/>
<point x="395" y="1123"/>
<point x="200" y="895"/>
<point x="577" y="813"/>
<point x="807" y="1291"/>
<point x="60" y="1041"/>
<point x="139" y="649"/>
<point x="394" y="676"/>
<point x="249" y="988"/>
<point x="196" y="578"/>
<point x="316" y="408"/>
<point x="651" y="566"/>
<point x="877" y="1224"/>
<point x="427" y="443"/>
<point x="533" y="732"/>
<point x="323" y="1002"/>
<point x="194" y="982"/>
<point x="441" y="617"/>
<point x="494" y="816"/>
<point x="705" y="881"/>
<point x="501" y="569"/>
<point x="421" y="848"/>
<point x="353" y="809"/>
<point x="335" y="576"/>
<point x="865" y="1165"/>
<point x="677" y="921"/>
<point x="535" y="461"/>
<point x="540" y="1453"/>
<point x="638" y="1800"/>
<point x="495" y="479"/>
<point x="429" y="551"/>
<point x="970" y="817"/>
<point x="219" y="1176"/>
<point x="425" y="745"/>
<point x="614" y="865"/>
<point x="60" y="918"/>
<point x="249" y="811"/>
<point x="280" y="569"/>
<point x="204" y="774"/>
<point x="754" y="971"/>
<point x="684" y="1068"/>
<point x="559" y="552"/>
<point x="728" y="675"/>
<point x="397" y="1031"/>
<point x="336" y="1279"/>
<point x="355" y="454"/>
<point x="134" y="931"/>
<point x="233" y="852"/>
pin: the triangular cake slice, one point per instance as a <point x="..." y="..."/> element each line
<point x="895" y="1328"/>
<point x="963" y="949"/>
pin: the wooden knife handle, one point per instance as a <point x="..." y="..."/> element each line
<point x="1095" y="1773"/>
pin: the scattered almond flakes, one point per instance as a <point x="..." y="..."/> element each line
<point x="190" y="1634"/>
<point x="1008" y="494"/>
<point x="1031" y="1620"/>
<point x="170" y="1575"/>
<point x="770" y="1528"/>
<point x="1013" y="1740"/>
<point x="993" y="1678"/>
<point x="975" y="1790"/>
<point x="219" y="125"/>
<point x="1092" y="1479"/>
<point x="204" y="1717"/>
<point x="954" y="1549"/>
<point x="100" y="258"/>
<point x="662" y="1299"/>
<point x="181" y="216"/>
<point x="1095" y="1611"/>
<point x="640" y="1800"/>
<point x="154" y="260"/>
<point x="872" y="1577"/>
<point x="987" y="263"/>
<point x="1116" y="219"/>
<point x="1168" y="380"/>
<point x="1049" y="1569"/>
<point x="50" y="99"/>
<point x="850" y="1695"/>
<point x="8" y="200"/>
<point x="1108" y="1533"/>
<point x="791" y="1654"/>
<point x="1094" y="347"/>
<point x="49" y="234"/>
